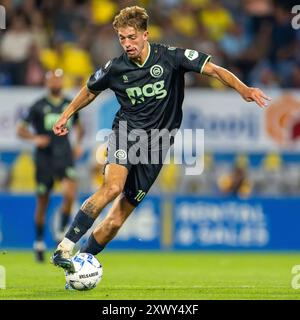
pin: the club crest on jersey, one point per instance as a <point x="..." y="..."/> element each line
<point x="120" y="154"/>
<point x="191" y="54"/>
<point x="156" y="71"/>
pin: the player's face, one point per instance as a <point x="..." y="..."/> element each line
<point x="55" y="84"/>
<point x="132" y="41"/>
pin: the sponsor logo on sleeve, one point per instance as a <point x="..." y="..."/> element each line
<point x="191" y="54"/>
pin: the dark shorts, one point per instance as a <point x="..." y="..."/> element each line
<point x="48" y="169"/>
<point x="143" y="167"/>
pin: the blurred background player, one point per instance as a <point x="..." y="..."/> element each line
<point x="54" y="157"/>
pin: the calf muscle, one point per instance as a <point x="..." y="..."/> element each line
<point x="113" y="185"/>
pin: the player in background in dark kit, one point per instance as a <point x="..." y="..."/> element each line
<point x="53" y="156"/>
<point x="148" y="81"/>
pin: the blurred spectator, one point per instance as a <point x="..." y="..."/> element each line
<point x="73" y="58"/>
<point x="204" y="183"/>
<point x="34" y="73"/>
<point x="15" y="48"/>
<point x="105" y="45"/>
<point x="283" y="43"/>
<point x="38" y="29"/>
<point x="183" y="20"/>
<point x="155" y="33"/>
<point x="263" y="76"/>
<point x="170" y="36"/>
<point x="68" y="22"/>
<point x="237" y="182"/>
<point x="76" y="61"/>
<point x="216" y="19"/>
<point x="258" y="13"/>
<point x="270" y="175"/>
<point x="198" y="4"/>
<point x="103" y="11"/>
<point x="28" y="7"/>
<point x="254" y="54"/>
<point x="51" y="56"/>
<point x="290" y="182"/>
<point x="202" y="42"/>
<point x="235" y="41"/>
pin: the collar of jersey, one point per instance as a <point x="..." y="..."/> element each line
<point x="149" y="51"/>
<point x="54" y="102"/>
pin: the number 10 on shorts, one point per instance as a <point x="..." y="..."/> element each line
<point x="139" y="197"/>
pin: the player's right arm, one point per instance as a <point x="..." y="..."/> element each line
<point x="82" y="99"/>
<point x="97" y="83"/>
<point x="39" y="140"/>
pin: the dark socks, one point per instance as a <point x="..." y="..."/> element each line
<point x="80" y="226"/>
<point x="92" y="246"/>
<point x="39" y="232"/>
<point x="64" y="219"/>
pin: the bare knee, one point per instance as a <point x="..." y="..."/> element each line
<point x="112" y="190"/>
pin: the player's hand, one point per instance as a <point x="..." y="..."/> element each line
<point x="77" y="152"/>
<point x="41" y="141"/>
<point x="256" y="95"/>
<point x="60" y="127"/>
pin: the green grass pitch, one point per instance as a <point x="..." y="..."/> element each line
<point x="159" y="275"/>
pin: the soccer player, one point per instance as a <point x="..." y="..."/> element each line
<point x="53" y="155"/>
<point x="148" y="81"/>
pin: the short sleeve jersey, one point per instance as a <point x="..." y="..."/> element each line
<point x="150" y="95"/>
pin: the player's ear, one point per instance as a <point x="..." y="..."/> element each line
<point x="145" y="35"/>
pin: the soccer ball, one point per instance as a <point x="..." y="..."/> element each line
<point x="88" y="272"/>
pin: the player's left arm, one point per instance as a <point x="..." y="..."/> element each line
<point x="229" y="79"/>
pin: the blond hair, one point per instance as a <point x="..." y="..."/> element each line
<point x="134" y="16"/>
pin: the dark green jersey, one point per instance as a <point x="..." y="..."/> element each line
<point x="42" y="115"/>
<point x="151" y="94"/>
